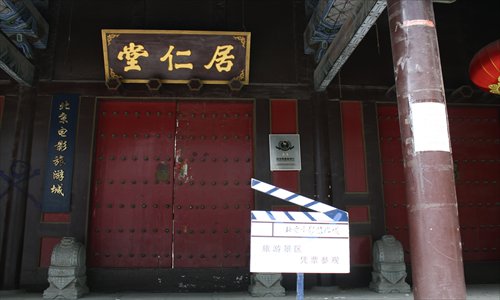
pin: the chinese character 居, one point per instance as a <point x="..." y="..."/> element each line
<point x="222" y="59"/>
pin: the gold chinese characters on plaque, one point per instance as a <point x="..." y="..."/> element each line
<point x="214" y="57"/>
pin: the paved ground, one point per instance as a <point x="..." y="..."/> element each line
<point x="474" y="292"/>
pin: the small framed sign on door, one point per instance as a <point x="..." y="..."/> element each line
<point x="284" y="152"/>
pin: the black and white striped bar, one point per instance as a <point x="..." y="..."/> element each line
<point x="330" y="211"/>
<point x="285" y="216"/>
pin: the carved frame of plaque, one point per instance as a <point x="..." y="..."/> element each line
<point x="149" y="54"/>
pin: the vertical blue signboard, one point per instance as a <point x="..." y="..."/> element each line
<point x="59" y="170"/>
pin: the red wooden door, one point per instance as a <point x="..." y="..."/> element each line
<point x="213" y="199"/>
<point x="131" y="208"/>
<point x="475" y="140"/>
<point x="171" y="180"/>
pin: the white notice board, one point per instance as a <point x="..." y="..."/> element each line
<point x="300" y="245"/>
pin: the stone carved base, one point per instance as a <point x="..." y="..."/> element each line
<point x="74" y="290"/>
<point x="266" y="284"/>
<point x="66" y="277"/>
<point x="389" y="269"/>
<point x="381" y="285"/>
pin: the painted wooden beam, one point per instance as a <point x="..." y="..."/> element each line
<point x="346" y="40"/>
<point x="14" y="63"/>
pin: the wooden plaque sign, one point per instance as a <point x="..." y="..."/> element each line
<point x="214" y="57"/>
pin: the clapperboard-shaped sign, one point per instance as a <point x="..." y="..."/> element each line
<point x="298" y="242"/>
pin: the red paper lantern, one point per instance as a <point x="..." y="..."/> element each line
<point x="484" y="69"/>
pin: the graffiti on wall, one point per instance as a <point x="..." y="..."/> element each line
<point x="14" y="179"/>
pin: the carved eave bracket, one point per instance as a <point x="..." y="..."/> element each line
<point x="23" y="24"/>
<point x="22" y="29"/>
<point x="14" y="63"/>
<point x="350" y="26"/>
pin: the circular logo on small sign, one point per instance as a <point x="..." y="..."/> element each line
<point x="284" y="146"/>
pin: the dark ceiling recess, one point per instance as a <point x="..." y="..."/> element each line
<point x="333" y="45"/>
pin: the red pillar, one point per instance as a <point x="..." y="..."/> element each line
<point x="435" y="248"/>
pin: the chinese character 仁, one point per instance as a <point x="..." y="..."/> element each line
<point x="169" y="58"/>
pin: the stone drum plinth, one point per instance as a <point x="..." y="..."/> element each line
<point x="67" y="269"/>
<point x="389" y="269"/>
